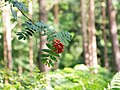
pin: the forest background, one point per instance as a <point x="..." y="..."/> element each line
<point x="94" y="27"/>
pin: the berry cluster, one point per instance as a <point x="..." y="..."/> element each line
<point x="59" y="47"/>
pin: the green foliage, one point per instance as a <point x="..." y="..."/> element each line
<point x="23" y="82"/>
<point x="115" y="82"/>
<point x="64" y="37"/>
<point x="66" y="79"/>
<point x="14" y="13"/>
<point x="71" y="79"/>
<point x="30" y="27"/>
<point x="49" y="56"/>
<point x="20" y="6"/>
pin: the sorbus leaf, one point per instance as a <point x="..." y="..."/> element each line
<point x="53" y="58"/>
<point x="49" y="46"/>
<point x="44" y="55"/>
<point x="50" y="52"/>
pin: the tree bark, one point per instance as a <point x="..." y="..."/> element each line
<point x="84" y="30"/>
<point x="56" y="25"/>
<point x="56" y="12"/>
<point x="43" y="41"/>
<point x="92" y="37"/>
<point x="113" y="33"/>
<point x="7" y="37"/>
<point x="20" y="68"/>
<point x="104" y="32"/>
<point x="30" y="40"/>
<point x="6" y="41"/>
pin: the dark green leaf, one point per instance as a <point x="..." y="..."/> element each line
<point x="26" y="34"/>
<point x="44" y="55"/>
<point x="30" y="30"/>
<point x="49" y="46"/>
<point x="20" y="37"/>
<point x="29" y="33"/>
<point x="50" y="63"/>
<point x="44" y="59"/>
<point x="24" y="38"/>
<point x="19" y="33"/>
<point x="20" y="6"/>
<point x="50" y="52"/>
<point x="53" y="58"/>
<point x="14" y="13"/>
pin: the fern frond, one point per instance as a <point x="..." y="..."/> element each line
<point x="115" y="82"/>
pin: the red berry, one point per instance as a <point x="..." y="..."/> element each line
<point x="58" y="46"/>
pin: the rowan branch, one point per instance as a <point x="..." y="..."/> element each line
<point x="26" y="16"/>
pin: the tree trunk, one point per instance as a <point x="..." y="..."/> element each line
<point x="30" y="40"/>
<point x="104" y="32"/>
<point x="92" y="38"/>
<point x="43" y="41"/>
<point x="7" y="41"/>
<point x="56" y="12"/>
<point x="84" y="31"/>
<point x="7" y="37"/>
<point x="56" y="25"/>
<point x="113" y="33"/>
<point x="20" y="68"/>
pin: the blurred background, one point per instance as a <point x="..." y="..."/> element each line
<point x="95" y="29"/>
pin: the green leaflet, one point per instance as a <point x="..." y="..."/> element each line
<point x="19" y="33"/>
<point x="51" y="52"/>
<point x="64" y="37"/>
<point x="29" y="33"/>
<point x="60" y="37"/>
<point x="49" y="46"/>
<point x="50" y="63"/>
<point x="30" y="30"/>
<point x="50" y="38"/>
<point x="53" y="58"/>
<point x="14" y="13"/>
<point x="20" y="6"/>
<point x="45" y="55"/>
<point x="26" y="34"/>
<point x="44" y="60"/>
<point x="20" y="37"/>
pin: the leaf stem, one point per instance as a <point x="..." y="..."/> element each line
<point x="26" y="16"/>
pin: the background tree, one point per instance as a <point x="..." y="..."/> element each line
<point x="84" y="30"/>
<point x="92" y="36"/>
<point x="42" y="44"/>
<point x="30" y="39"/>
<point x="20" y="68"/>
<point x="56" y="24"/>
<point x="7" y="37"/>
<point x="7" y="41"/>
<point x="103" y="3"/>
<point x="113" y="32"/>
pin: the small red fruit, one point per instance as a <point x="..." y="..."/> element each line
<point x="59" y="47"/>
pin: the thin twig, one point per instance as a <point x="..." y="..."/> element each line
<point x="26" y="16"/>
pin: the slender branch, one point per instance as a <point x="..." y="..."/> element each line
<point x="26" y="16"/>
